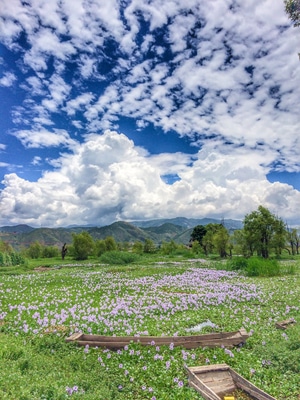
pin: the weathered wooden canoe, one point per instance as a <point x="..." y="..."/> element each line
<point x="284" y="324"/>
<point x="227" y="339"/>
<point x="214" y="382"/>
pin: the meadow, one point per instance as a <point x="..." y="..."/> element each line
<point x="39" y="309"/>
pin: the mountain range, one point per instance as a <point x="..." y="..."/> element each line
<point x="159" y="230"/>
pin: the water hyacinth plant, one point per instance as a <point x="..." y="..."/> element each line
<point x="39" y="310"/>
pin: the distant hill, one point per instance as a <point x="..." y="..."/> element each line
<point x="188" y="222"/>
<point x="120" y="231"/>
<point x="165" y="232"/>
<point x="159" y="230"/>
<point x="16" y="229"/>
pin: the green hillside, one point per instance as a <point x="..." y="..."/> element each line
<point x="160" y="230"/>
<point x="120" y="231"/>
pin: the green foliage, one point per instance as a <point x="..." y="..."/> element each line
<point x="83" y="245"/>
<point x="293" y="239"/>
<point x="216" y="239"/>
<point x="239" y="243"/>
<point x="35" y="250"/>
<point x="262" y="267"/>
<point x="50" y="252"/>
<point x="258" y="266"/>
<point x="110" y="243"/>
<point x="5" y="247"/>
<point x="11" y="259"/>
<point x="292" y="8"/>
<point x="149" y="246"/>
<point x="168" y="247"/>
<point x="104" y="245"/>
<point x="237" y="264"/>
<point x="196" y="247"/>
<point x="100" y="247"/>
<point x="284" y="353"/>
<point x="263" y="231"/>
<point x="198" y="233"/>
<point x="220" y="241"/>
<point x="39" y="365"/>
<point x="118" y="257"/>
<point x="138" y="247"/>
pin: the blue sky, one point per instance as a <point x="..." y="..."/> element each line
<point x="135" y="109"/>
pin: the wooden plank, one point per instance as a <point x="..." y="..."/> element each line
<point x="219" y="381"/>
<point x="218" y="375"/>
<point x="205" y="368"/>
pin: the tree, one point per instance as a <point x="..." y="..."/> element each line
<point x="220" y="241"/>
<point x="239" y="243"/>
<point x="263" y="232"/>
<point x="83" y="245"/>
<point x="64" y="251"/>
<point x="149" y="246"/>
<point x="198" y="234"/>
<point x="50" y="252"/>
<point x="34" y="250"/>
<point x="293" y="239"/>
<point x="138" y="247"/>
<point x="110" y="243"/>
<point x="6" y="247"/>
<point x="212" y="239"/>
<point x="168" y="248"/>
<point x="196" y="248"/>
<point x="292" y="8"/>
<point x="100" y="247"/>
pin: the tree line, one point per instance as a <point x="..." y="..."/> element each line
<point x="263" y="234"/>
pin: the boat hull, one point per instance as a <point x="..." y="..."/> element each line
<point x="226" y="339"/>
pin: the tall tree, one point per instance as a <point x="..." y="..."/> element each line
<point x="149" y="246"/>
<point x="83" y="245"/>
<point x="221" y="241"/>
<point x="216" y="239"/>
<point x="292" y="8"/>
<point x="198" y="234"/>
<point x="264" y="232"/>
<point x="293" y="239"/>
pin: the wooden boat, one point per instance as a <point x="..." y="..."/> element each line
<point x="284" y="324"/>
<point x="219" y="381"/>
<point x="226" y="339"/>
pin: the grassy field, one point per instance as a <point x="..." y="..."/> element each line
<point x="39" y="309"/>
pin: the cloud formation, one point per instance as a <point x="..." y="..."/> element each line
<point x="229" y="85"/>
<point x="108" y="178"/>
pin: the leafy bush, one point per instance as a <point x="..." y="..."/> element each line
<point x="118" y="257"/>
<point x="34" y="250"/>
<point x="9" y="259"/>
<point x="83" y="245"/>
<point x="50" y="252"/>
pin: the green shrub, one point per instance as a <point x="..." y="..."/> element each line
<point x="50" y="252"/>
<point x="11" y="259"/>
<point x="118" y="257"/>
<point x="17" y="259"/>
